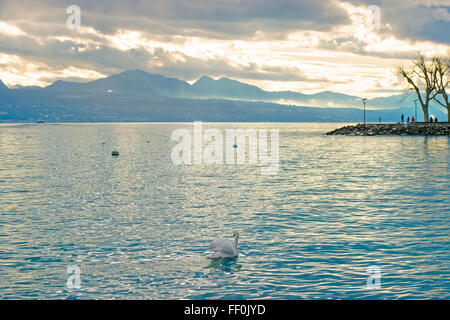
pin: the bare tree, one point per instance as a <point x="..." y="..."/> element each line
<point x="421" y="77"/>
<point x="442" y="67"/>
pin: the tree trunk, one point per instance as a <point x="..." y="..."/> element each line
<point x="426" y="118"/>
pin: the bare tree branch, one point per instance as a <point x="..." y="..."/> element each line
<point x="428" y="73"/>
<point x="442" y="69"/>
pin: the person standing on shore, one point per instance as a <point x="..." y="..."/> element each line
<point x="407" y="120"/>
<point x="413" y="119"/>
<point x="402" y="117"/>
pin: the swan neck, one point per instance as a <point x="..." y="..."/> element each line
<point x="236" y="238"/>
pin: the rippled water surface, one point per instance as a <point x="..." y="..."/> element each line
<point x="138" y="227"/>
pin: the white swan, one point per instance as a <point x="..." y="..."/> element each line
<point x="222" y="249"/>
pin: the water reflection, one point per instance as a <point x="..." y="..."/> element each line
<point x="436" y="144"/>
<point x="138" y="226"/>
<point x="227" y="265"/>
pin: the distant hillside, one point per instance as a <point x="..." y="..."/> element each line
<point x="206" y="87"/>
<point x="131" y="81"/>
<point x="3" y="86"/>
<point x="136" y="95"/>
<point x="146" y="84"/>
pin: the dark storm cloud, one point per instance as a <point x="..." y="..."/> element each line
<point x="231" y="18"/>
<point x="415" y="20"/>
<point x="59" y="54"/>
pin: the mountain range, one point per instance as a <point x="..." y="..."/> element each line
<point x="135" y="95"/>
<point x="143" y="83"/>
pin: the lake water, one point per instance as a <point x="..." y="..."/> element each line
<point x="137" y="226"/>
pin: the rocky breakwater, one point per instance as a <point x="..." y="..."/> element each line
<point x="398" y="129"/>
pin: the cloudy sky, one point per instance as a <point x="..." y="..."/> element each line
<point x="306" y="46"/>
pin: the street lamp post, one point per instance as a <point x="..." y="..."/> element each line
<point x="415" y="109"/>
<point x="364" y="102"/>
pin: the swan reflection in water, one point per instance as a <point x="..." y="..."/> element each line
<point x="226" y="264"/>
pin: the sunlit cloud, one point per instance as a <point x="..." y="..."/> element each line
<point x="328" y="45"/>
<point x="10" y="29"/>
<point x="14" y="71"/>
<point x="126" y="40"/>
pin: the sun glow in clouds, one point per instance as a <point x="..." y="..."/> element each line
<point x="126" y="40"/>
<point x="10" y="29"/>
<point x="14" y="70"/>
<point x="356" y="58"/>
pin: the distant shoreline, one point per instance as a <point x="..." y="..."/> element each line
<point x="395" y="129"/>
<point x="162" y="122"/>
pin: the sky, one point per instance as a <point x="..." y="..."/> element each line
<point x="350" y="46"/>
